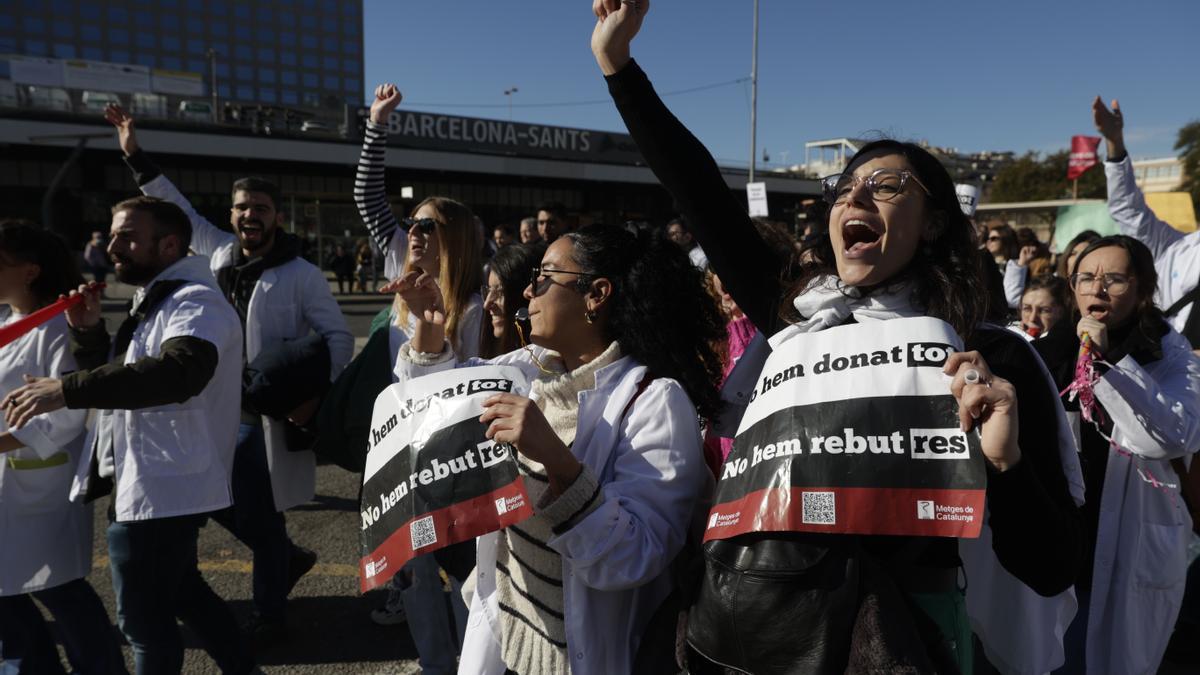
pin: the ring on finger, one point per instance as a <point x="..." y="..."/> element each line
<point x="973" y="376"/>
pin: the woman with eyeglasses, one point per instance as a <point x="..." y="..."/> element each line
<point x="608" y="440"/>
<point x="504" y="294"/>
<point x="441" y="239"/>
<point x="898" y="246"/>
<point x="1044" y="303"/>
<point x="1147" y="391"/>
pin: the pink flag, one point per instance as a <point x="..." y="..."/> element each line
<point x="1083" y="155"/>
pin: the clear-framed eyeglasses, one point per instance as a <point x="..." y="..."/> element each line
<point x="1112" y="283"/>
<point x="883" y="184"/>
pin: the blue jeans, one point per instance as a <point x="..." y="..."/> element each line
<point x="26" y="645"/>
<point x="428" y="619"/>
<point x="255" y="522"/>
<point x="155" y="580"/>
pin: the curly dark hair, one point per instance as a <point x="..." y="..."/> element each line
<point x="26" y="242"/>
<point x="661" y="313"/>
<point x="945" y="271"/>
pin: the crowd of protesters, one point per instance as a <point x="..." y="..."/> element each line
<point x="234" y="364"/>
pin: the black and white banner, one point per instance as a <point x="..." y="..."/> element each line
<point x="432" y="478"/>
<point x="854" y="430"/>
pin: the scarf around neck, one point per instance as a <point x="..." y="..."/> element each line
<point x="827" y="302"/>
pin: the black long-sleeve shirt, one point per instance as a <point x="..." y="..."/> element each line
<point x="1037" y="530"/>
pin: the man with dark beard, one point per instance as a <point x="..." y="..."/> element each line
<point x="165" y="391"/>
<point x="279" y="297"/>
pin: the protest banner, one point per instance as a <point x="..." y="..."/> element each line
<point x="1083" y="155"/>
<point x="853" y="429"/>
<point x="432" y="478"/>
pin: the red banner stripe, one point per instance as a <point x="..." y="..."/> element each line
<point x="893" y="511"/>
<point x="453" y="524"/>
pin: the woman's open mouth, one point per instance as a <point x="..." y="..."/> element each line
<point x="858" y="238"/>
<point x="1099" y="311"/>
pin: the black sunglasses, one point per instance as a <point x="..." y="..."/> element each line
<point x="539" y="277"/>
<point x="426" y="226"/>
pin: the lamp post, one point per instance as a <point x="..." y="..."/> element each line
<point x="212" y="79"/>
<point x="754" y="94"/>
<point x="509" y="93"/>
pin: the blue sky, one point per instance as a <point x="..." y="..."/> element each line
<point x="1005" y="75"/>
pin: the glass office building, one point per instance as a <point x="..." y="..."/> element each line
<point x="305" y="53"/>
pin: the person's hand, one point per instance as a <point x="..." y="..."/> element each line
<point x="1111" y="125"/>
<point x="123" y="121"/>
<point x="421" y="292"/>
<point x="387" y="97"/>
<point x="1027" y="254"/>
<point x="1096" y="331"/>
<point x="85" y="314"/>
<point x="989" y="401"/>
<point x="617" y="23"/>
<point x="517" y="420"/>
<point x="304" y="412"/>
<point x="38" y="395"/>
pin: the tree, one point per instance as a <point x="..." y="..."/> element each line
<point x="1032" y="178"/>
<point x="1188" y="145"/>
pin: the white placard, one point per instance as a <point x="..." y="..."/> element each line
<point x="968" y="198"/>
<point x="756" y="195"/>
<point x="122" y="78"/>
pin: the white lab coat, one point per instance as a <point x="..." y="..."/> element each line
<point x="616" y="560"/>
<point x="288" y="302"/>
<point x="45" y="540"/>
<point x="176" y="459"/>
<point x="1176" y="255"/>
<point x="1141" y="548"/>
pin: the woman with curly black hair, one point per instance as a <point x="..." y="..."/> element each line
<point x="623" y="355"/>
<point x="898" y="246"/>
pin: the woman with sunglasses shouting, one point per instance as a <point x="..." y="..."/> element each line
<point x="622" y="358"/>
<point x="439" y="240"/>
<point x="898" y="246"/>
<point x="1146" y="386"/>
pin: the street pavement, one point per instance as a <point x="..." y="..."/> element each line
<point x="330" y="630"/>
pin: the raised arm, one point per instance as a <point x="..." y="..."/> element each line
<point x="736" y="252"/>
<point x="370" y="195"/>
<point x="1126" y="203"/>
<point x="206" y="237"/>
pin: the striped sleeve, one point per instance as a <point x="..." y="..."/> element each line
<point x="369" y="194"/>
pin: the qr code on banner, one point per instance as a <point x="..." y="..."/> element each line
<point x="423" y="532"/>
<point x="818" y="509"/>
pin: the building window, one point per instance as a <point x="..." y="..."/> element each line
<point x="287" y="19"/>
<point x="89" y="11"/>
<point x="287" y="58"/>
<point x="196" y="47"/>
<point x="351" y="47"/>
<point x="217" y="7"/>
<point x="147" y="60"/>
<point x="222" y="69"/>
<point x="330" y="44"/>
<point x="93" y="53"/>
<point x="244" y="73"/>
<point x="267" y="95"/>
<point x="172" y="63"/>
<point x="309" y="60"/>
<point x="118" y="56"/>
<point x="289" y="97"/>
<point x="242" y="52"/>
<point x="143" y="19"/>
<point x="330" y="63"/>
<point x="351" y="28"/>
<point x="266" y="54"/>
<point x="7" y="22"/>
<point x="265" y="15"/>
<point x="245" y="93"/>
<point x="241" y="11"/>
<point x="241" y="31"/>
<point x="89" y="33"/>
<point x="64" y="30"/>
<point x="170" y="43"/>
<point x="220" y="48"/>
<point x="64" y="51"/>
<point x="266" y="76"/>
<point x="289" y="77"/>
<point x="287" y="38"/>
<point x="35" y="47"/>
<point x="7" y="44"/>
<point x="310" y="79"/>
<point x="119" y="36"/>
<point x="32" y="24"/>
<point x="332" y="82"/>
<point x="223" y="90"/>
<point x="308" y="21"/>
<point x="354" y="84"/>
<point x="266" y="35"/>
<point x="350" y="66"/>
<point x="196" y="5"/>
<point x="118" y="15"/>
<point x="308" y="41"/>
<point x="197" y="66"/>
<point x="169" y="22"/>
<point x="145" y="40"/>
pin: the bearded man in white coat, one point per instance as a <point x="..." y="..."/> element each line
<point x="278" y="296"/>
